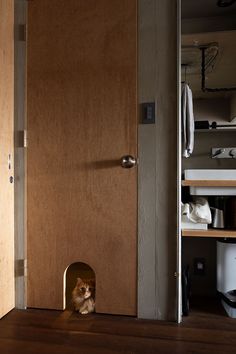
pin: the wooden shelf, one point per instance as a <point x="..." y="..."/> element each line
<point x="209" y="233"/>
<point x="209" y="183"/>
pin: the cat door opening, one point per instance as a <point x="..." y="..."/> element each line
<point x="72" y="273"/>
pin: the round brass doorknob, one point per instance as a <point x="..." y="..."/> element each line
<point x="128" y="161"/>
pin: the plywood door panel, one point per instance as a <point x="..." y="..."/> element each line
<point x="7" y="296"/>
<point x="82" y="118"/>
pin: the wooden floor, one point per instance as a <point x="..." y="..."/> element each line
<point x="42" y="331"/>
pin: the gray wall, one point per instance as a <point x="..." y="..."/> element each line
<point x="208" y="24"/>
<point x="194" y="247"/>
<point x="158" y="161"/>
<point x="201" y="157"/>
<point x="212" y="109"/>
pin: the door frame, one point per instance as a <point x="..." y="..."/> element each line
<point x="179" y="173"/>
<point x="20" y="56"/>
<point x="20" y="13"/>
<point x="7" y="158"/>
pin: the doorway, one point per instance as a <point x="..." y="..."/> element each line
<point x="82" y="119"/>
<point x="208" y="72"/>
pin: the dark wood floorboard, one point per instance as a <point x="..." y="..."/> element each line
<point x="42" y="331"/>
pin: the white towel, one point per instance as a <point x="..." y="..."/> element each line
<point x="187" y="120"/>
<point x="197" y="211"/>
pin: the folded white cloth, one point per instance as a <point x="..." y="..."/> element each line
<point x="197" y="211"/>
<point x="189" y="225"/>
<point x="187" y="120"/>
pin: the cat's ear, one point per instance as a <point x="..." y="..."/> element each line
<point x="92" y="282"/>
<point x="79" y="281"/>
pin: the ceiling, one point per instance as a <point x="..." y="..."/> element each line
<point x="205" y="8"/>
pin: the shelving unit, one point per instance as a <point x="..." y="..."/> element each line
<point x="209" y="233"/>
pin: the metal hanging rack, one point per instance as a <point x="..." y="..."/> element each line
<point x="203" y="49"/>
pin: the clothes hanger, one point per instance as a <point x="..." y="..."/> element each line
<point x="185" y="73"/>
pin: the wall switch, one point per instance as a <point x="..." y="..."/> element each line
<point x="199" y="266"/>
<point x="148" y="113"/>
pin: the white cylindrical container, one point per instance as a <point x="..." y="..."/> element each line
<point x="226" y="266"/>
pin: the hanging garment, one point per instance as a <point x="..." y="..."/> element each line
<point x="187" y="120"/>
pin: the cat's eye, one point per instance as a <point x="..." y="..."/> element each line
<point x="82" y="289"/>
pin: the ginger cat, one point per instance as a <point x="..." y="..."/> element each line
<point x="83" y="296"/>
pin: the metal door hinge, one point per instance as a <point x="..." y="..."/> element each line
<point x="20" y="32"/>
<point x="21" y="139"/>
<point x="21" y="268"/>
<point x="25" y="141"/>
<point x="176" y="274"/>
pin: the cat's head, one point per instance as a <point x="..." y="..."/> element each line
<point x="85" y="288"/>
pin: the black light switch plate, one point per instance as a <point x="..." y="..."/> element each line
<point x="148" y="113"/>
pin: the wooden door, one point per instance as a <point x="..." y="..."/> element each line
<point x="82" y="118"/>
<point x="7" y="293"/>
